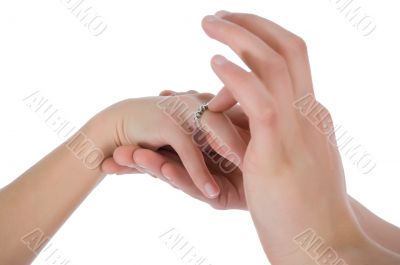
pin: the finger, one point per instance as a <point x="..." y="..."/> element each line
<point x="173" y="93"/>
<point x="182" y="180"/>
<point x="229" y="187"/>
<point x="167" y="93"/>
<point x="123" y="155"/>
<point x="220" y="131"/>
<point x="179" y="177"/>
<point x="231" y="184"/>
<point x="168" y="168"/>
<point x="193" y="161"/>
<point x="223" y="101"/>
<point x="189" y="92"/>
<point x="291" y="47"/>
<point x="151" y="162"/>
<point x="176" y="174"/>
<point x="258" y="56"/>
<point x="205" y="97"/>
<point x="238" y="117"/>
<point x="257" y="103"/>
<point x="109" y="166"/>
<point x="226" y="103"/>
<point x="244" y="87"/>
<point x="244" y="134"/>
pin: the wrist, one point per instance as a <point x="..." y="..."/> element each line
<point x="109" y="128"/>
<point x="344" y="243"/>
<point x="95" y="140"/>
<point x="322" y="237"/>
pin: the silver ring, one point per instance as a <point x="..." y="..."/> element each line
<point x="197" y="115"/>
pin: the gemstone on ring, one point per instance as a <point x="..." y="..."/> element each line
<point x="197" y="115"/>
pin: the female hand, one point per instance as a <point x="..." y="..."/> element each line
<point x="166" y="164"/>
<point x="168" y="121"/>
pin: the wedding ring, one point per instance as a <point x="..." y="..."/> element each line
<point x="197" y="115"/>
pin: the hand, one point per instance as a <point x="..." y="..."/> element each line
<point x="138" y="123"/>
<point x="231" y="183"/>
<point x="292" y="171"/>
<point x="166" y="165"/>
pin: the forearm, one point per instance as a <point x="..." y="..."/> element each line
<point x="382" y="232"/>
<point x="45" y="195"/>
<point x="341" y="244"/>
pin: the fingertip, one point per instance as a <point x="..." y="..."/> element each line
<point x="210" y="187"/>
<point x="146" y="157"/>
<point x="223" y="101"/>
<point x="209" y="19"/>
<point x="123" y="155"/>
<point x="222" y="13"/>
<point x="170" y="173"/>
<point x="208" y="23"/>
<point x="109" y="166"/>
<point x="218" y="60"/>
<point x="207" y="185"/>
<point x="211" y="190"/>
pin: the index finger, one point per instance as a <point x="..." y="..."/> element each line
<point x="257" y="102"/>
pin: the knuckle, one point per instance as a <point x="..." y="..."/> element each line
<point x="325" y="111"/>
<point x="325" y="121"/>
<point x="295" y="46"/>
<point x="167" y="92"/>
<point x="244" y="79"/>
<point x="205" y="96"/>
<point x="267" y="116"/>
<point x="191" y="91"/>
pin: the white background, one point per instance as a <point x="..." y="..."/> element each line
<point x="153" y="45"/>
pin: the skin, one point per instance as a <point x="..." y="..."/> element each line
<point x="281" y="180"/>
<point x="268" y="180"/>
<point x="232" y="192"/>
<point x="281" y="177"/>
<point x="31" y="211"/>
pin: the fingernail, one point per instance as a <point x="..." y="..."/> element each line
<point x="219" y="60"/>
<point x="141" y="169"/>
<point x="211" y="190"/>
<point x="222" y="13"/>
<point x="210" y="18"/>
<point x="168" y="177"/>
<point x="173" y="184"/>
<point x="141" y="166"/>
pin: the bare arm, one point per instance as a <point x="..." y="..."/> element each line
<point x="382" y="232"/>
<point x="44" y="196"/>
